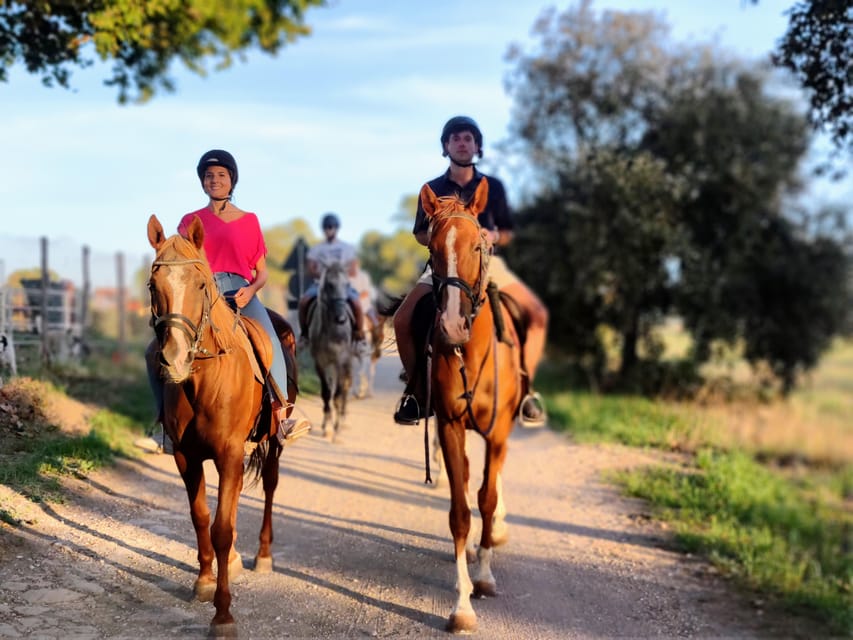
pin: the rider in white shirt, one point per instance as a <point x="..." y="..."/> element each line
<point x="361" y="282"/>
<point x="320" y="257"/>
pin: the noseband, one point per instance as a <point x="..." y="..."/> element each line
<point x="194" y="332"/>
<point x="475" y="293"/>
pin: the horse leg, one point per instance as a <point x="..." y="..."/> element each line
<point x="192" y="474"/>
<point x="344" y="385"/>
<point x="371" y="372"/>
<point x="500" y="534"/>
<point x="230" y="467"/>
<point x="263" y="560"/>
<point x="462" y="619"/>
<point x="325" y="394"/>
<point x="487" y="499"/>
<point x="360" y="374"/>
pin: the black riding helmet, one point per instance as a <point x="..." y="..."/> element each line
<point x="218" y="158"/>
<point x="461" y="123"/>
<point x="330" y="220"/>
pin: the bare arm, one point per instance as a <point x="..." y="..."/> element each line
<point x="244" y="294"/>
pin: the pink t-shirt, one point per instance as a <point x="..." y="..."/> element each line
<point x="232" y="247"/>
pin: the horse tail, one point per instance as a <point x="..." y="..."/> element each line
<point x="254" y="468"/>
<point x="387" y="304"/>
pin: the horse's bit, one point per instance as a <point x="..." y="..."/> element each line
<point x="439" y="284"/>
<point x="475" y="295"/>
<point x="179" y="320"/>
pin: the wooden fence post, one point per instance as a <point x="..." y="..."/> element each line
<point x="84" y="300"/>
<point x="45" y="282"/>
<point x="122" y="307"/>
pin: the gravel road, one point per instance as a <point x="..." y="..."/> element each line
<point x="362" y="549"/>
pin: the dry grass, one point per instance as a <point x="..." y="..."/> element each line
<point x="815" y="424"/>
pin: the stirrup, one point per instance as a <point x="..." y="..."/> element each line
<point x="291" y="429"/>
<point x="531" y="411"/>
<point x="403" y="414"/>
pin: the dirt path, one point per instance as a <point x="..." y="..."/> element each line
<point x="363" y="549"/>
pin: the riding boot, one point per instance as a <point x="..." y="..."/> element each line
<point x="358" y="321"/>
<point x="412" y="406"/>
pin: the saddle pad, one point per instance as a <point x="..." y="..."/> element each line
<point x="261" y="358"/>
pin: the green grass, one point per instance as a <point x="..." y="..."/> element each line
<point x="757" y="525"/>
<point x="36" y="465"/>
<point x="33" y="462"/>
<point x="769" y="509"/>
<point x="630" y="420"/>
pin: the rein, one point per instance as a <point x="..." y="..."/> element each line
<point x="477" y="299"/>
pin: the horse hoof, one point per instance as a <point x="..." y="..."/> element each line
<point x="222" y="630"/>
<point x="462" y="622"/>
<point x="263" y="565"/>
<point x="204" y="591"/>
<point x="484" y="589"/>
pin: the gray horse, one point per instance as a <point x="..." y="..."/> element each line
<point x="330" y="336"/>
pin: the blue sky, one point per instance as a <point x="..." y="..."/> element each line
<point x="346" y="120"/>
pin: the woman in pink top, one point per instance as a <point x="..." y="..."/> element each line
<point x="236" y="252"/>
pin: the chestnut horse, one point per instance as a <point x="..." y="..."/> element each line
<point x="475" y="384"/>
<point x="213" y="401"/>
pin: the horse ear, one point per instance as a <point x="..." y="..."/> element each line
<point x="155" y="232"/>
<point x="428" y="200"/>
<point x="481" y="197"/>
<point x="195" y="232"/>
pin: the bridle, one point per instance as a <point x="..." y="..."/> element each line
<point x="194" y="332"/>
<point x="476" y="296"/>
<point x="475" y="293"/>
<point x="327" y="303"/>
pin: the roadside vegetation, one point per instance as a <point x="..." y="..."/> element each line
<point x="763" y="489"/>
<point x="68" y="421"/>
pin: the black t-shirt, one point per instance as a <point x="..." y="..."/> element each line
<point x="496" y="215"/>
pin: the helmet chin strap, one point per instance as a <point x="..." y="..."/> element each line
<point x="224" y="202"/>
<point x="461" y="164"/>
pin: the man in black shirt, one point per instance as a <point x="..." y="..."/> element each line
<point x="462" y="141"/>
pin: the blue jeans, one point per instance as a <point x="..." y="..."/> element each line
<point x="313" y="288"/>
<point x="228" y="284"/>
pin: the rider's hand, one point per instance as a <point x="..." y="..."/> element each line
<point x="242" y="297"/>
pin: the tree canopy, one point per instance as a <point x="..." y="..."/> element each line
<point x="142" y="39"/>
<point x="818" y="48"/>
<point x="665" y="178"/>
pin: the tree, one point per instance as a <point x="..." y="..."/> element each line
<point x="142" y="39"/>
<point x="818" y="48"/>
<point x="665" y="177"/>
<point x="613" y="220"/>
<point x="394" y="262"/>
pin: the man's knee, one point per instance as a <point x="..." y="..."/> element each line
<point x="539" y="316"/>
